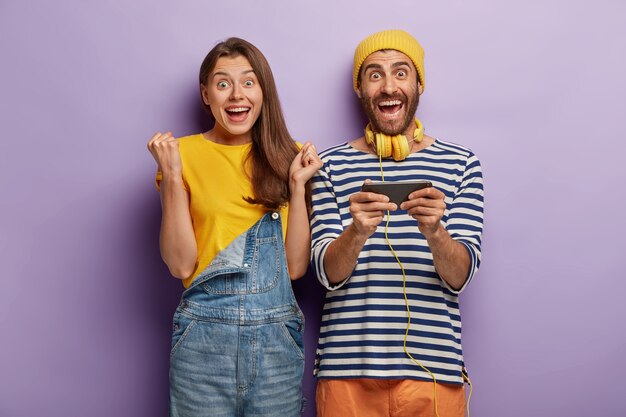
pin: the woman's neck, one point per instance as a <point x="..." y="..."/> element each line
<point x="223" y="137"/>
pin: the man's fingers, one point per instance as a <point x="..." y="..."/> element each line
<point x="369" y="220"/>
<point x="366" y="196"/>
<point x="371" y="209"/>
<point x="428" y="192"/>
<point x="423" y="202"/>
<point x="424" y="211"/>
<point x="371" y="214"/>
<point x="372" y="206"/>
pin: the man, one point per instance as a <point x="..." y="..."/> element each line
<point x="365" y="364"/>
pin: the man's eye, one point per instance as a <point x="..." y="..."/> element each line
<point x="222" y="84"/>
<point x="402" y="73"/>
<point x="375" y="76"/>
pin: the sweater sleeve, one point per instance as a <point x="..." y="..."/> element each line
<point x="465" y="219"/>
<point x="326" y="223"/>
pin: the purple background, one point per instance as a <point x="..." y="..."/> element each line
<point x="536" y="89"/>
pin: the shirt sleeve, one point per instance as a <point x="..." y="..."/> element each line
<point x="465" y="219"/>
<point x="326" y="224"/>
<point x="157" y="180"/>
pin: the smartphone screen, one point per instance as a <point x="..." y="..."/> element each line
<point x="397" y="191"/>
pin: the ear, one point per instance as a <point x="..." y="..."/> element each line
<point x="420" y="88"/>
<point x="358" y="92"/>
<point x="205" y="94"/>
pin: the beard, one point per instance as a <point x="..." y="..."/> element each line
<point x="390" y="127"/>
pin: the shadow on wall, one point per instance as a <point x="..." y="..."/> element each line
<point x="193" y="116"/>
<point x="310" y="296"/>
<point x="160" y="294"/>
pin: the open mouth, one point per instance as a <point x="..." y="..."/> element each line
<point x="390" y="108"/>
<point x="237" y="114"/>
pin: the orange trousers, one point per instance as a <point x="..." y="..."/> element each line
<point x="369" y="397"/>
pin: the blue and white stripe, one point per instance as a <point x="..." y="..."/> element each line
<point x="364" y="317"/>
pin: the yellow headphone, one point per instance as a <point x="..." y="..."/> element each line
<point x="396" y="146"/>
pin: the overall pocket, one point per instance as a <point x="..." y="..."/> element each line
<point x="181" y="328"/>
<point x="293" y="330"/>
<point x="267" y="259"/>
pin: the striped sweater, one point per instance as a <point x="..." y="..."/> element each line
<point x="365" y="318"/>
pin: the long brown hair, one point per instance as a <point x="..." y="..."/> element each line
<point x="273" y="148"/>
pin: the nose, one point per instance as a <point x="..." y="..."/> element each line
<point x="236" y="93"/>
<point x="389" y="86"/>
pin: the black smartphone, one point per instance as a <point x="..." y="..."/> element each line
<point x="397" y="191"/>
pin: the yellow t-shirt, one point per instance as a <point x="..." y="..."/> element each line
<point x="214" y="176"/>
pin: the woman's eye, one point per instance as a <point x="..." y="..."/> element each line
<point x="222" y="84"/>
<point x="248" y="83"/>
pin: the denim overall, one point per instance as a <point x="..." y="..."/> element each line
<point x="237" y="344"/>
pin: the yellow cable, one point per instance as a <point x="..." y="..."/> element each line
<point x="469" y="397"/>
<point x="408" y="311"/>
<point x="406" y="300"/>
<point x="408" y="324"/>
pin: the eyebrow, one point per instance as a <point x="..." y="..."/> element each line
<point x="378" y="66"/>
<point x="399" y="64"/>
<point x="215" y="74"/>
<point x="372" y="66"/>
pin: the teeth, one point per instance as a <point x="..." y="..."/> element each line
<point x="390" y="115"/>
<point x="390" y="103"/>
<point x="238" y="109"/>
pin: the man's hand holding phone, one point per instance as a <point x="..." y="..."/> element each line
<point x="427" y="207"/>
<point x="423" y="202"/>
<point x="367" y="209"/>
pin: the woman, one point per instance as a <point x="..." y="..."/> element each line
<point x="230" y="197"/>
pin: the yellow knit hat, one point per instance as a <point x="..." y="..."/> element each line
<point x="398" y="40"/>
